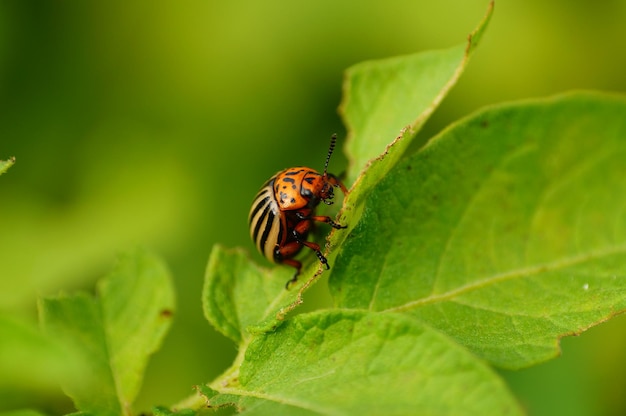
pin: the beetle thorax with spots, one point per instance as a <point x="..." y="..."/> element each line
<point x="300" y="187"/>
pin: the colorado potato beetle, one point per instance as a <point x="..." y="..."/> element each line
<point x="283" y="212"/>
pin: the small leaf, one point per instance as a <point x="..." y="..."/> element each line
<point x="25" y="412"/>
<point x="383" y="97"/>
<point x="507" y="231"/>
<point x="236" y="292"/>
<point x="239" y="296"/>
<point x="137" y="301"/>
<point x="6" y="164"/>
<point x="354" y="362"/>
<point x="30" y="362"/>
<point x="115" y="332"/>
<point x="77" y="320"/>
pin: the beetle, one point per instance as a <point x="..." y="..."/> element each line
<point x="283" y="212"/>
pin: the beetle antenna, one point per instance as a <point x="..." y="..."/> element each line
<point x="331" y="148"/>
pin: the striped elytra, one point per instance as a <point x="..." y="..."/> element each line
<point x="265" y="221"/>
<point x="283" y="213"/>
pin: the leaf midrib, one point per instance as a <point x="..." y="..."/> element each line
<point x="314" y="407"/>
<point x="510" y="275"/>
<point x="111" y="353"/>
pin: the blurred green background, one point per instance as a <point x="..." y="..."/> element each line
<point x="155" y="123"/>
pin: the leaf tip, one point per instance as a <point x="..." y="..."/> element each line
<point x="6" y="164"/>
<point x="474" y="38"/>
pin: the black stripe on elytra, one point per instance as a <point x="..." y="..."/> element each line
<point x="261" y="220"/>
<point x="260" y="203"/>
<point x="268" y="228"/>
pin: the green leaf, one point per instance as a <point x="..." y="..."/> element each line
<point x="238" y="294"/>
<point x="6" y="164"/>
<point x="26" y="354"/>
<point x="240" y="298"/>
<point x="383" y="97"/>
<point x="351" y="362"/>
<point x="507" y="231"/>
<point x="114" y="333"/>
<point x="30" y="363"/>
<point x="385" y="103"/>
<point x="25" y="412"/>
<point x="163" y="411"/>
<point x="78" y="320"/>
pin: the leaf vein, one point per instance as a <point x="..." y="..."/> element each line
<point x="314" y="407"/>
<point x="578" y="170"/>
<point x="510" y="275"/>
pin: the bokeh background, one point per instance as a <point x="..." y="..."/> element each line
<point x="154" y="124"/>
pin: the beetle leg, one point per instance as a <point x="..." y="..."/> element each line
<point x="298" y="266"/>
<point x="319" y="218"/>
<point x="294" y="279"/>
<point x="319" y="254"/>
<point x="288" y="250"/>
<point x="328" y="221"/>
<point x="299" y="232"/>
<point x="284" y="253"/>
<point x="313" y="246"/>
